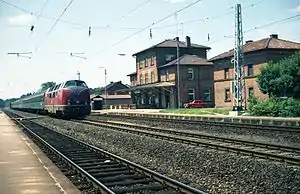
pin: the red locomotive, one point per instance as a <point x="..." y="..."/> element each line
<point x="69" y="99"/>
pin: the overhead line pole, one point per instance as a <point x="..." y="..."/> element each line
<point x="177" y="61"/>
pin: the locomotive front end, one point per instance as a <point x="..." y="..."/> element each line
<point x="76" y="96"/>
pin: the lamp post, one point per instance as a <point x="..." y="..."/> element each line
<point x="105" y="73"/>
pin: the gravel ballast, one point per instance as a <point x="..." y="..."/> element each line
<point x="208" y="170"/>
<point x="273" y="137"/>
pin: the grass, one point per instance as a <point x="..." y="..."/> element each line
<point x="198" y="111"/>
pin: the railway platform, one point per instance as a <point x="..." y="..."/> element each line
<point x="220" y="118"/>
<point x="23" y="166"/>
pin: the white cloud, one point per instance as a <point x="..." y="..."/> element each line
<point x="21" y="19"/>
<point x="175" y="1"/>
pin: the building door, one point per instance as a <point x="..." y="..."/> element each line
<point x="167" y="96"/>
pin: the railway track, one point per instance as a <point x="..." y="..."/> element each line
<point x="248" y="126"/>
<point x="263" y="150"/>
<point x="102" y="170"/>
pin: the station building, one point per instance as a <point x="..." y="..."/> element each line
<point x="256" y="55"/>
<point x="155" y="81"/>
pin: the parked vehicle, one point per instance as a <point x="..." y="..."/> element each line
<point x="195" y="104"/>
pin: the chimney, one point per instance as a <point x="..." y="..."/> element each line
<point x="248" y="41"/>
<point x="176" y="38"/>
<point x="188" y="41"/>
<point x="274" y="36"/>
<point x="111" y="82"/>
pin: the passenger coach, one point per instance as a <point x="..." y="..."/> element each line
<point x="68" y="99"/>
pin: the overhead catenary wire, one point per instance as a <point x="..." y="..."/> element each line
<point x="156" y="22"/>
<point x="130" y="12"/>
<point x="41" y="12"/>
<point x="168" y="16"/>
<point x="103" y="27"/>
<point x="55" y="23"/>
<point x="259" y="27"/>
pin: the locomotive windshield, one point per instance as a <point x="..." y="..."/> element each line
<point x="75" y="83"/>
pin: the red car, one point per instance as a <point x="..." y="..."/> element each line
<point x="195" y="104"/>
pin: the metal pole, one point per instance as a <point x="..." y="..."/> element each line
<point x="178" y="69"/>
<point x="78" y="73"/>
<point x="105" y="88"/>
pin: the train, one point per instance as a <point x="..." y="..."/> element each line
<point x="69" y="99"/>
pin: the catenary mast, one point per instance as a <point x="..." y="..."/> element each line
<point x="238" y="60"/>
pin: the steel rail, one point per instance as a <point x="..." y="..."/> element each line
<point x="203" y="136"/>
<point x="294" y="129"/>
<point x="181" y="137"/>
<point x="18" y="120"/>
<point x="164" y="180"/>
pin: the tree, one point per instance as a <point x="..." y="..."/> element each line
<point x="2" y="103"/>
<point x="281" y="78"/>
<point x="46" y="85"/>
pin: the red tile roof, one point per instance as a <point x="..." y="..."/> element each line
<point x="188" y="60"/>
<point x="266" y="43"/>
<point x="172" y="43"/>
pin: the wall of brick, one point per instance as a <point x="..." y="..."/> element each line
<point x="258" y="59"/>
<point x="203" y="79"/>
<point x="146" y="69"/>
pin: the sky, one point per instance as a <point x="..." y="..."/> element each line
<point x="119" y="27"/>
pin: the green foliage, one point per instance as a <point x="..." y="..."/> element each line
<point x="282" y="78"/>
<point x="275" y="107"/>
<point x="97" y="91"/>
<point x="46" y="85"/>
<point x="2" y="103"/>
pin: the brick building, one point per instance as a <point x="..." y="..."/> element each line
<point x="256" y="55"/>
<point x="113" y="88"/>
<point x="154" y="84"/>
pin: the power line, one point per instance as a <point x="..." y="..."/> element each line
<point x="130" y="28"/>
<point x="131" y="11"/>
<point x="41" y="12"/>
<point x="209" y="18"/>
<point x="261" y="26"/>
<point x="51" y="29"/>
<point x="158" y="21"/>
<point x="166" y="17"/>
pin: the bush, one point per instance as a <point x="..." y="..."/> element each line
<point x="275" y="107"/>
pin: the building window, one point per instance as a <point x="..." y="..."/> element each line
<point x="141" y="79"/>
<point x="140" y="64"/>
<point x="167" y="75"/>
<point x="152" y="60"/>
<point x="191" y="94"/>
<point x="227" y="94"/>
<point x="226" y="73"/>
<point x="152" y="77"/>
<point x="190" y="74"/>
<point x="250" y="92"/>
<point x="250" y="70"/>
<point x="169" y="57"/>
<point x="146" y="78"/>
<point x="207" y="94"/>
<point x="146" y="62"/>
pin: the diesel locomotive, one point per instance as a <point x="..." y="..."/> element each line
<point x="69" y="99"/>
